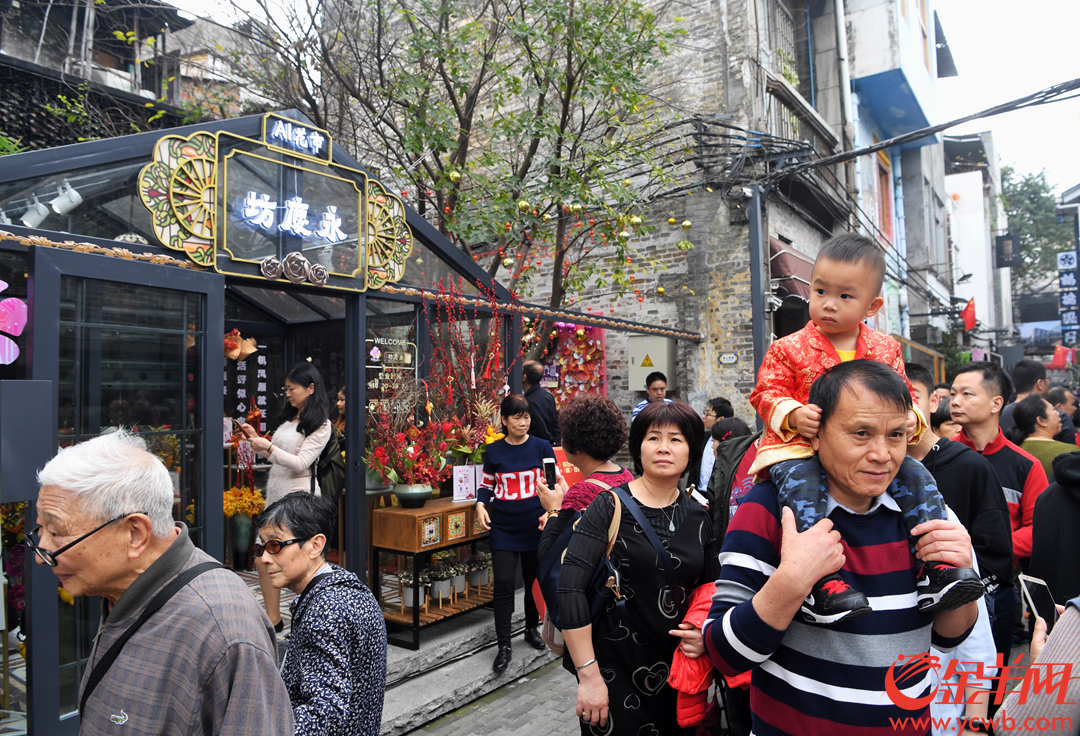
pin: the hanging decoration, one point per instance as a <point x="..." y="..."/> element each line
<point x="237" y="347"/>
<point x="13" y="322"/>
<point x="580" y="356"/>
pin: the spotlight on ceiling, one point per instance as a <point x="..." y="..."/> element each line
<point x="67" y="200"/>
<point x="4" y="219"/>
<point x="964" y="279"/>
<point x="35" y="215"/>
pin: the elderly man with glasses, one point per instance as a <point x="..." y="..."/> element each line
<point x="183" y="646"/>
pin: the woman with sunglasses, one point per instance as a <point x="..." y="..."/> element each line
<point x="298" y="442"/>
<point x="335" y="666"/>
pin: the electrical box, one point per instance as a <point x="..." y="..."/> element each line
<point x="650" y="353"/>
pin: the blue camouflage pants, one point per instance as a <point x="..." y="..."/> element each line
<point x="802" y="485"/>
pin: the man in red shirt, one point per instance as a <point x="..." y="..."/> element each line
<point x="979" y="392"/>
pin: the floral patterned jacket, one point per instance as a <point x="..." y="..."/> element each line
<point x="791" y="366"/>
<point x="335" y="668"/>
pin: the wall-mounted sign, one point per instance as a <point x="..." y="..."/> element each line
<point x="729" y="358"/>
<point x="279" y="207"/>
<point x="1067" y="280"/>
<point x="1066" y="260"/>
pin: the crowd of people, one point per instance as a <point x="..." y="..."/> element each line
<point x="782" y="575"/>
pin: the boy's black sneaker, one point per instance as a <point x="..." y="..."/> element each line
<point x="832" y="600"/>
<point x="943" y="587"/>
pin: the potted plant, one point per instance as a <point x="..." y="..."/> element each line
<point x="460" y="570"/>
<point x="240" y="505"/>
<point x="478" y="566"/>
<point x="440" y="574"/>
<point x="405" y="577"/>
<point x="404" y="450"/>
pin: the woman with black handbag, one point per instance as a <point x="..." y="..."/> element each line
<point x="623" y="658"/>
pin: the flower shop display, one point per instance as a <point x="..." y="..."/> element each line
<point x="237" y="347"/>
<point x="12" y="523"/>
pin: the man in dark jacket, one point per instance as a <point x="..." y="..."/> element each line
<point x="1055" y="546"/>
<point x="971" y="488"/>
<point x="542" y="411"/>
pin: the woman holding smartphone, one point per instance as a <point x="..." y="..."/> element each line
<point x="508" y="505"/>
<point x="298" y="441"/>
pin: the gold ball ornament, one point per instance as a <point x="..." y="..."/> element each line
<point x="455" y="176"/>
<point x="660" y="290"/>
<point x="624" y="236"/>
<point x="626" y="182"/>
<point x="671" y="221"/>
<point x="546" y="217"/>
<point x="576" y="209"/>
<point x="635" y="221"/>
<point x="508" y="262"/>
<point x="580" y="332"/>
<point x="686" y="224"/>
<point x="524" y="206"/>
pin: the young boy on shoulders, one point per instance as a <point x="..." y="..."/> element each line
<point x="845" y="289"/>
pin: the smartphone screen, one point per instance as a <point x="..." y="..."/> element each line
<point x="1039" y="600"/>
<point x="549" y="472"/>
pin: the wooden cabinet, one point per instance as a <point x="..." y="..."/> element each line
<point x="439" y="524"/>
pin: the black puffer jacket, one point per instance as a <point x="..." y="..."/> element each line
<point x="1055" y="548"/>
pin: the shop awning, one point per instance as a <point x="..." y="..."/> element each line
<point x="790" y="270"/>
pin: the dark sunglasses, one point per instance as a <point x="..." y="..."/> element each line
<point x="274" y="546"/>
<point x="49" y="558"/>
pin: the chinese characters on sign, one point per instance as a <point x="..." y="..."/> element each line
<point x="386" y="355"/>
<point x="1068" y="299"/>
<point x="296" y="137"/>
<point x="259" y="211"/>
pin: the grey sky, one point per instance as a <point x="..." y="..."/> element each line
<point x="1004" y="50"/>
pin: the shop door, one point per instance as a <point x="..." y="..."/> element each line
<point x="117" y="343"/>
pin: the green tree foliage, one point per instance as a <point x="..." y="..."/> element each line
<point x="528" y="131"/>
<point x="1031" y="208"/>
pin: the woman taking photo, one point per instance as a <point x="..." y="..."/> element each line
<point x="335" y="667"/>
<point x="622" y="666"/>
<point x="507" y="505"/>
<point x="1037" y="421"/>
<point x="298" y="441"/>
<point x="593" y="431"/>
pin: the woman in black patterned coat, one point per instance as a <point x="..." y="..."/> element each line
<point x="335" y="667"/>
<point x="622" y="660"/>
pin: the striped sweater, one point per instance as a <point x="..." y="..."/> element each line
<point x="817" y="679"/>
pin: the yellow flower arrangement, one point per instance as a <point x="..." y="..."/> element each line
<point x="244" y="500"/>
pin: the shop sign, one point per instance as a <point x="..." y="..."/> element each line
<point x="386" y="355"/>
<point x="1007" y="250"/>
<point x="729" y="358"/>
<point x="275" y="208"/>
<point x="296" y="137"/>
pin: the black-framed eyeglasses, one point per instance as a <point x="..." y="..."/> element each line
<point x="274" y="546"/>
<point x="708" y="415"/>
<point x="49" y="558"/>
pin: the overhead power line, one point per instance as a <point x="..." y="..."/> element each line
<point x="1055" y="93"/>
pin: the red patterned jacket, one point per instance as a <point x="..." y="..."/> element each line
<point x="791" y="366"/>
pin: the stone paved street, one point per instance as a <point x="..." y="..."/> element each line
<point x="540" y="704"/>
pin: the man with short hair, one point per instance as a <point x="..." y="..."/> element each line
<point x="542" y="410"/>
<point x="979" y="391"/>
<point x="944" y="392"/>
<point x="808" y="678"/>
<point x="1028" y="377"/>
<point x="971" y="489"/>
<point x="1064" y="401"/>
<point x="655" y="390"/>
<point x="701" y="469"/>
<point x="205" y="662"/>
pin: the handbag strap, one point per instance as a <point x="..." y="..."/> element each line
<point x="156" y="602"/>
<point x="663" y="555"/>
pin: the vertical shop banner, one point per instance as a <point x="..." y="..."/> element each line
<point x="1068" y="299"/>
